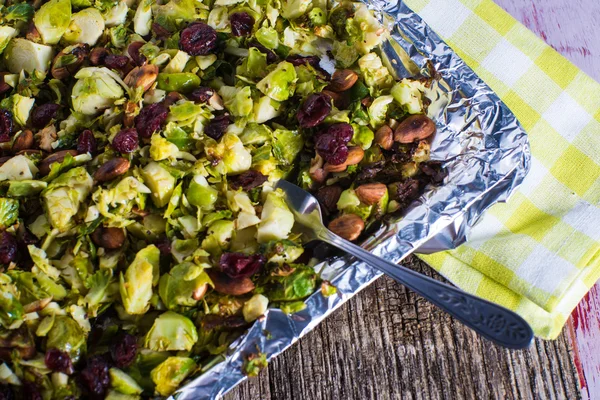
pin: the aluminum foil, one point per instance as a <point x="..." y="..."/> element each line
<point x="487" y="156"/>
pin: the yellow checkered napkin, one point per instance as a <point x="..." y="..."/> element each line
<point x="539" y="253"/>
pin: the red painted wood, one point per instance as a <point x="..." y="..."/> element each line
<point x="571" y="27"/>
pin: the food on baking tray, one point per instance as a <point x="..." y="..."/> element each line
<point x="140" y="231"/>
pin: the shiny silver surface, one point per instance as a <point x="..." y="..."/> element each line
<point x="487" y="156"/>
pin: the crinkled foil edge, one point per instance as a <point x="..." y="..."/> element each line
<point x="485" y="151"/>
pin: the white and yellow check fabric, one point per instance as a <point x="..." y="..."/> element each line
<point x="539" y="253"/>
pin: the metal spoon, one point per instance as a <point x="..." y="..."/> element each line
<point x="490" y="320"/>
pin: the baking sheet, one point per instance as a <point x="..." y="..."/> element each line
<point x="485" y="151"/>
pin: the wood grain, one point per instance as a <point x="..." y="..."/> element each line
<point x="570" y="27"/>
<point x="387" y="343"/>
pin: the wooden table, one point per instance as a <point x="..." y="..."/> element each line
<point x="387" y="343"/>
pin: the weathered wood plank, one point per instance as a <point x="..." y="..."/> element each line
<point x="387" y="343"/>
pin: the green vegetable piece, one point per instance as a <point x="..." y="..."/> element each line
<point x="292" y="307"/>
<point x="64" y="195"/>
<point x="45" y="326"/>
<point x="295" y="286"/>
<point x="179" y="286"/>
<point x="115" y="395"/>
<point x="160" y="182"/>
<point x="253" y="66"/>
<point x="97" y="89"/>
<point x="219" y="235"/>
<point x="255" y="307"/>
<point x="9" y="212"/>
<point x="6" y="33"/>
<point x="124" y="383"/>
<point x="282" y="251"/>
<point x="287" y="145"/>
<point x="24" y="55"/>
<point x="19" y="12"/>
<point x="327" y="289"/>
<point x="168" y="375"/>
<point x="276" y="219"/>
<point x="265" y="109"/>
<point x="317" y="16"/>
<point x="268" y="37"/>
<point x="280" y="83"/>
<point x="237" y="101"/>
<point x="254" y="364"/>
<point x="350" y="203"/>
<point x="174" y="13"/>
<point x="162" y="149"/>
<point x="292" y="9"/>
<point x="66" y="335"/>
<point x="52" y="20"/>
<point x="378" y="111"/>
<point x="21" y="107"/>
<point x="136" y="285"/>
<point x="375" y="73"/>
<point x="118" y="37"/>
<point x="171" y="331"/>
<point x="409" y="94"/>
<point x="86" y="26"/>
<point x="201" y="194"/>
<point x="11" y="309"/>
<point x="256" y="133"/>
<point x="235" y="156"/>
<point x="363" y="136"/>
<point x="142" y="20"/>
<point x="25" y="188"/>
<point x="183" y="82"/>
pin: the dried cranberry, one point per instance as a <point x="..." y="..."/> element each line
<point x="406" y="191"/>
<point x="42" y="115"/>
<point x="6" y="393"/>
<point x="434" y="171"/>
<point x="247" y="180"/>
<point x="8" y="248"/>
<point x="4" y="87"/>
<point x="331" y="145"/>
<point x="201" y="94"/>
<point x="86" y="142"/>
<point x="160" y="31"/>
<point x="151" y="119"/>
<point x="134" y="52"/>
<point x="343" y="132"/>
<point x="126" y="140"/>
<point x="314" y="110"/>
<point x="164" y="245"/>
<point x="198" y="39"/>
<point x="124" y="350"/>
<point x="95" y="377"/>
<point x="115" y="62"/>
<point x="271" y="56"/>
<point x="241" y="23"/>
<point x="31" y="391"/>
<point x="217" y="126"/>
<point x="6" y="125"/>
<point x="328" y="197"/>
<point x="58" y="361"/>
<point x="98" y="55"/>
<point x="297" y="60"/>
<point x="238" y="265"/>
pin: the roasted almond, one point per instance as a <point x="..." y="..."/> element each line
<point x="337" y="98"/>
<point x="371" y="193"/>
<point x="355" y="155"/>
<point x="384" y="137"/>
<point x="57" y="157"/>
<point x="342" y="79"/>
<point x="199" y="292"/>
<point x="131" y="110"/>
<point x="347" y="226"/>
<point x="143" y="76"/>
<point x="108" y="238"/>
<point x="415" y="127"/>
<point x="316" y="171"/>
<point x="111" y="169"/>
<point x="226" y="285"/>
<point x="23" y="142"/>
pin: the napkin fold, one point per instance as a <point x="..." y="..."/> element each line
<point x="539" y="253"/>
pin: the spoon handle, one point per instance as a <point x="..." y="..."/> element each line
<point x="490" y="320"/>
